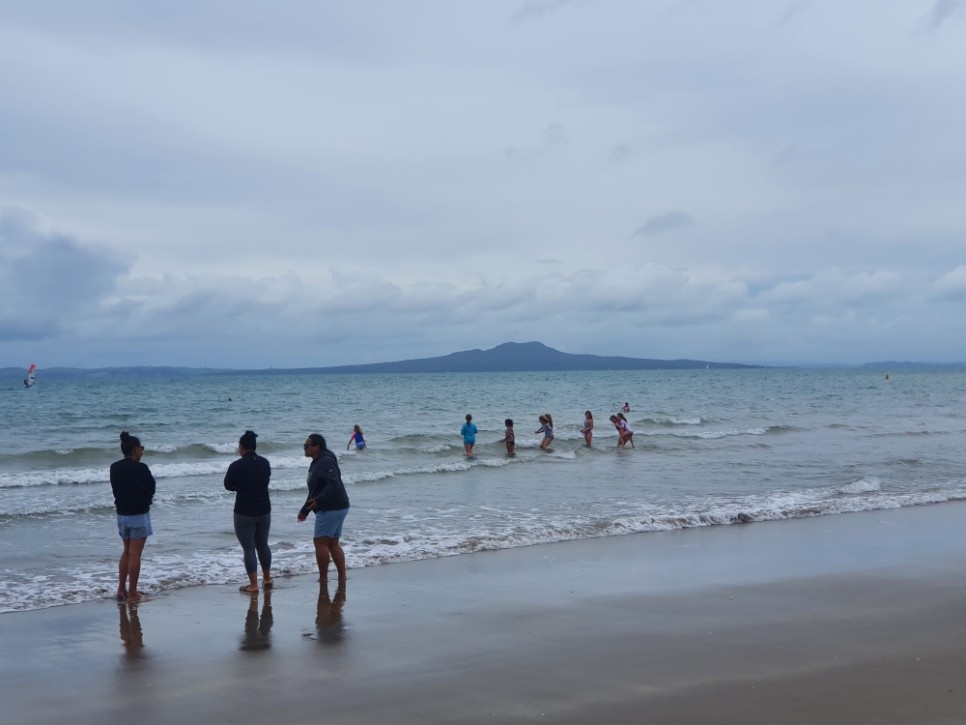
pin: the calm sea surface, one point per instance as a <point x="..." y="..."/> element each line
<point x="713" y="448"/>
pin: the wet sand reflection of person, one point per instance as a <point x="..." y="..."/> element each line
<point x="258" y="627"/>
<point x="328" y="616"/>
<point x="131" y="634"/>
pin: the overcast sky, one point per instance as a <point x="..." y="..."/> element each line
<point x="251" y="184"/>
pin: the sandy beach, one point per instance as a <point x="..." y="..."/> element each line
<point x="856" y="618"/>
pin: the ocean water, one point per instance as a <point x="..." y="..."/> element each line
<point x="713" y="447"/>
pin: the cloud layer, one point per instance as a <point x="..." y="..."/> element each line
<point x="319" y="184"/>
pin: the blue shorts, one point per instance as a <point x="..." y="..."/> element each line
<point x="329" y="523"/>
<point x="134" y="527"/>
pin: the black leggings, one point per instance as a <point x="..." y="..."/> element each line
<point x="252" y="533"/>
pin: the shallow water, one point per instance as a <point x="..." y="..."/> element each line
<point x="712" y="447"/>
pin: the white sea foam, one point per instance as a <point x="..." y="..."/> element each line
<point x="709" y="434"/>
<point x="63" y="476"/>
<point x="865" y="485"/>
<point x="222" y="447"/>
<point x="426" y="536"/>
<point x="437" y="448"/>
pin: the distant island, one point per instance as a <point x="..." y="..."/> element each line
<point x="522" y="357"/>
<point x="508" y="357"/>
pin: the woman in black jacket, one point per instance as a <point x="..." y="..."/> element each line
<point x="248" y="478"/>
<point x="133" y="487"/>
<point x="330" y="502"/>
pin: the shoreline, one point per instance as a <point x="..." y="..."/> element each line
<point x="847" y="618"/>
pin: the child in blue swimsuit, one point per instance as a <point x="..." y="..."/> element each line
<point x="357" y="437"/>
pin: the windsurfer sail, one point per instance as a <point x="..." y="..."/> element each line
<point x="28" y="382"/>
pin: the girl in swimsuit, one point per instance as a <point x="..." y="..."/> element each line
<point x="508" y="437"/>
<point x="588" y="429"/>
<point x="625" y="434"/>
<point x="546" y="427"/>
<point x="357" y="437"/>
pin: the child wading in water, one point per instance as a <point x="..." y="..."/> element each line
<point x="357" y="437"/>
<point x="625" y="434"/>
<point x="468" y="431"/>
<point x="508" y="437"/>
<point x="546" y="427"/>
<point x="588" y="429"/>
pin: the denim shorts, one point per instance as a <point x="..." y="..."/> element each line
<point x="134" y="527"/>
<point x="329" y="523"/>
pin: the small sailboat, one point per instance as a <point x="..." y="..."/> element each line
<point x="28" y="382"/>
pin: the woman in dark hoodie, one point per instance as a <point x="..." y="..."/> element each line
<point x="133" y="487"/>
<point x="330" y="502"/>
<point x="248" y="477"/>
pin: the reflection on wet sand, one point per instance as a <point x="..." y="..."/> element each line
<point x="258" y="627"/>
<point x="328" y="617"/>
<point x="131" y="634"/>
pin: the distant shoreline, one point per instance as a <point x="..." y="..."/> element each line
<point x="510" y="357"/>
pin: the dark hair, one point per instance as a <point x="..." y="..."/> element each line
<point x="508" y="422"/>
<point x="247" y="441"/>
<point x="588" y="414"/>
<point x="468" y="417"/>
<point x="318" y="440"/>
<point x="129" y="443"/>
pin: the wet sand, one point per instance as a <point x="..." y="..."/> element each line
<point x="857" y="618"/>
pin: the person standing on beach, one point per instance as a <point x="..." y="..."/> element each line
<point x="248" y="478"/>
<point x="509" y="438"/>
<point x="330" y="502"/>
<point x="588" y="430"/>
<point x="468" y="431"/>
<point x="357" y="437"/>
<point x="546" y="427"/>
<point x="133" y="487"/>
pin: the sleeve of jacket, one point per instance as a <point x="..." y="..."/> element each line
<point x="230" y="483"/>
<point x="149" y="484"/>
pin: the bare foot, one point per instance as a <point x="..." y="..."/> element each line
<point x="249" y="588"/>
<point x="120" y="597"/>
<point x="268" y="583"/>
<point x="135" y="597"/>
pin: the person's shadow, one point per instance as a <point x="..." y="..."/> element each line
<point x="131" y="633"/>
<point x="329" y="624"/>
<point x="258" y="627"/>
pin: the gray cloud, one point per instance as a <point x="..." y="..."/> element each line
<point x="669" y="222"/>
<point x="943" y="10"/>
<point x="49" y="280"/>
<point x="621" y="153"/>
<point x="240" y="321"/>
<point x="952" y="284"/>
<point x="792" y="10"/>
<point x="537" y="8"/>
<point x="552" y="137"/>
